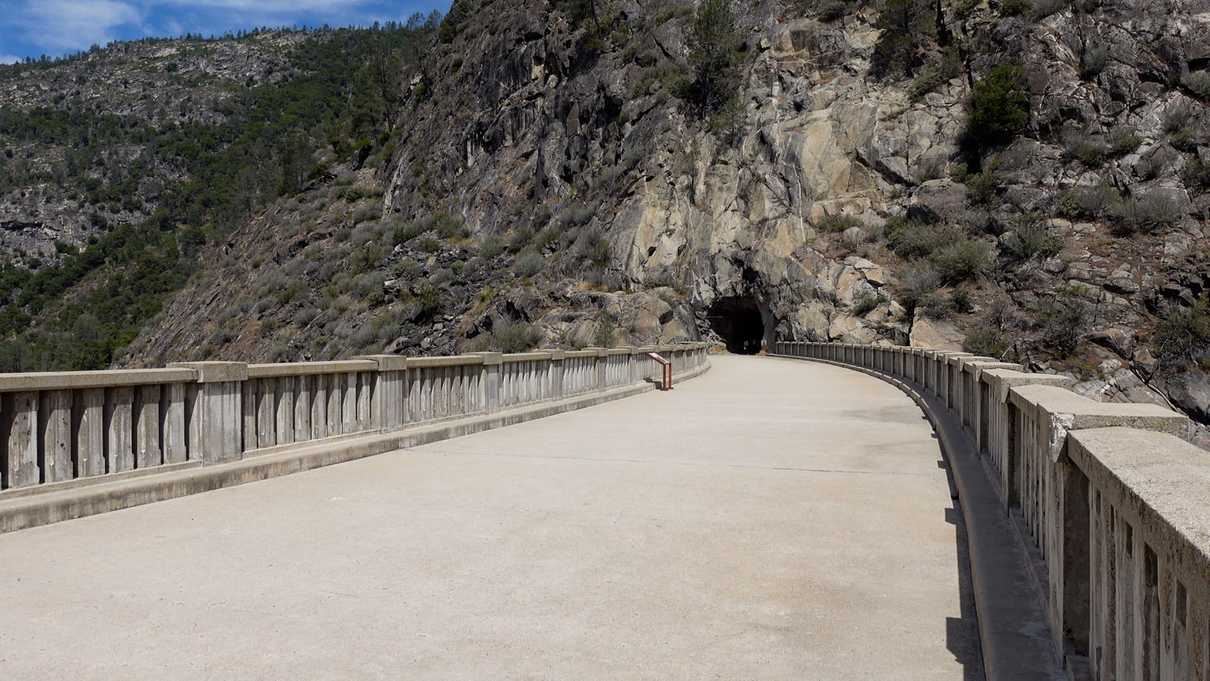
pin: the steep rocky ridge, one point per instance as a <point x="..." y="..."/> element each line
<point x="550" y="186"/>
<point x="54" y="186"/>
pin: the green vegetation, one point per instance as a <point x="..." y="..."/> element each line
<point x="1183" y="337"/>
<point x="1031" y="238"/>
<point x="713" y="55"/>
<point x="909" y="28"/>
<point x="1064" y="319"/>
<point x="1198" y="82"/>
<point x="937" y="72"/>
<point x="338" y="104"/>
<point x="999" y="108"/>
<point x="839" y="223"/>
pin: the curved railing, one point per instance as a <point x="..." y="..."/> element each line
<point x="1110" y="499"/>
<point x="62" y="430"/>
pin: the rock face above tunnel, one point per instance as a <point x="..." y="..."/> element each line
<point x="598" y="205"/>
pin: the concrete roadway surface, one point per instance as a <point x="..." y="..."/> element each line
<point x="773" y="519"/>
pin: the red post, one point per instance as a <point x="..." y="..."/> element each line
<point x="666" y="383"/>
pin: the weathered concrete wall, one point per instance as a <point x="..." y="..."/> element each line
<point x="62" y="430"/>
<point x="1110" y="499"/>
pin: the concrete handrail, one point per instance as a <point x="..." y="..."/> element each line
<point x="1109" y="499"/>
<point x="74" y="427"/>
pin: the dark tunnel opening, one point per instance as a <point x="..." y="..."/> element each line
<point x="738" y="320"/>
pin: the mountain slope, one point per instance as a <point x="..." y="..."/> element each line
<point x="1022" y="179"/>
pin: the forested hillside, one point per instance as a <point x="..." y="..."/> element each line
<point x="1025" y="179"/>
<point x="110" y="190"/>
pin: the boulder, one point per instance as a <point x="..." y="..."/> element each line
<point x="935" y="334"/>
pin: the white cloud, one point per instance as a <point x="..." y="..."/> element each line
<point x="9" y="59"/>
<point x="62" y="25"/>
<point x="266" y="7"/>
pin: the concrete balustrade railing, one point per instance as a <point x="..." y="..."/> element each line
<point x="61" y="430"/>
<point x="1110" y="500"/>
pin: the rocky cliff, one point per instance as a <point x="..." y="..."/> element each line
<point x="1022" y="179"/>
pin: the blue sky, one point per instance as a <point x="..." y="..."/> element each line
<point x="30" y="28"/>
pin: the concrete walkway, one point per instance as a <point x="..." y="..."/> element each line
<point x="772" y="519"/>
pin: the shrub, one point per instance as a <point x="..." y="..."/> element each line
<point x="1088" y="149"/>
<point x="838" y="223"/>
<point x="449" y="227"/>
<point x="529" y="263"/>
<point x="1198" y="82"/>
<point x="1015" y="8"/>
<point x="984" y="186"/>
<point x="999" y="107"/>
<point x="991" y="334"/>
<point x="1183" y="336"/>
<point x="427" y="302"/>
<point x="713" y="42"/>
<point x="1088" y="201"/>
<point x="986" y="341"/>
<point x="1178" y="117"/>
<point x="831" y="10"/>
<point x="917" y="285"/>
<point x="491" y="247"/>
<point x="1064" y="319"/>
<point x="960" y="299"/>
<point x="515" y="337"/>
<point x="1196" y="174"/>
<point x="917" y="239"/>
<point x="908" y="27"/>
<point x="1153" y="211"/>
<point x="451" y="26"/>
<point x="1123" y="140"/>
<point x="1031" y="238"/>
<point x="1044" y="8"/>
<point x="405" y="232"/>
<point x="365" y="214"/>
<point x="962" y="260"/>
<point x="936" y="73"/>
<point x="519" y="238"/>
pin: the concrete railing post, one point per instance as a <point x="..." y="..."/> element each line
<point x="215" y="419"/>
<point x="492" y="363"/>
<point x="602" y="365"/>
<point x="388" y="404"/>
<point x="556" y="374"/>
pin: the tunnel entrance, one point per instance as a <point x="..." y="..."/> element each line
<point x="739" y="321"/>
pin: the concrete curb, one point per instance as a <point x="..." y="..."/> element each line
<point x="42" y="509"/>
<point x="1014" y="636"/>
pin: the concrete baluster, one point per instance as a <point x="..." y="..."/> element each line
<point x="119" y="429"/>
<point x="389" y="399"/>
<point x="89" y="429"/>
<point x="147" y="427"/>
<point x="556" y="374"/>
<point x="492" y="362"/>
<point x="319" y="407"/>
<point x="284" y="415"/>
<point x="335" y="415"/>
<point x="349" y="403"/>
<point x="302" y="408"/>
<point x="55" y="412"/>
<point x="250" y="397"/>
<point x="266" y="412"/>
<point x="365" y="394"/>
<point x="20" y="427"/>
<point x="172" y="417"/>
<point x="216" y="416"/>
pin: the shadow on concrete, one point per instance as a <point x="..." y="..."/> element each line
<point x="962" y="634"/>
